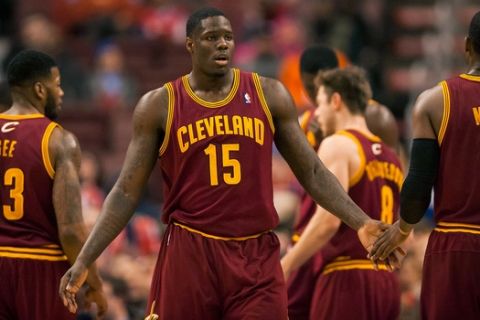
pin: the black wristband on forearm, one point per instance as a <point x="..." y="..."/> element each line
<point x="417" y="187"/>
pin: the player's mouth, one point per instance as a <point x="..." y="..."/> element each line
<point x="221" y="59"/>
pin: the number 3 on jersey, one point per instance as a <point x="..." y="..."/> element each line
<point x="14" y="180"/>
<point x="232" y="177"/>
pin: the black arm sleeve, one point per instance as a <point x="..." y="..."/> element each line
<point x="417" y="187"/>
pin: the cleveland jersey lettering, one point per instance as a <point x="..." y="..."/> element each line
<point x="206" y="159"/>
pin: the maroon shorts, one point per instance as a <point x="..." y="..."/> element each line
<point x="356" y="294"/>
<point x="451" y="277"/>
<point x="300" y="288"/>
<point x="198" y="277"/>
<point x="29" y="289"/>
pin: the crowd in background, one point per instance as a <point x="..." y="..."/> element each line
<point x="111" y="52"/>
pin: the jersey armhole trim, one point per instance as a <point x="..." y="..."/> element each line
<point x="263" y="101"/>
<point x="446" y="112"/>
<point x="361" y="154"/>
<point x="45" y="152"/>
<point x="168" y="126"/>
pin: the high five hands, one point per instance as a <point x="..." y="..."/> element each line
<point x="382" y="241"/>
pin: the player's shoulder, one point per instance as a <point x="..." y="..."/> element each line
<point x="339" y="143"/>
<point x="429" y="99"/>
<point x="63" y="140"/>
<point x="379" y="111"/>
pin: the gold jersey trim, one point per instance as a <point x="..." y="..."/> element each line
<point x="216" y="104"/>
<point x="361" y="169"/>
<point x="33" y="253"/>
<point x="470" y="77"/>
<point x="168" y="126"/>
<point x="446" y="112"/>
<point x="457" y="227"/>
<point x="45" y="153"/>
<point x="21" y="116"/>
<point x="263" y="101"/>
<point x="358" y="264"/>
<point x="206" y="235"/>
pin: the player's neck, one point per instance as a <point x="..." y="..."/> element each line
<point x="204" y="82"/>
<point x="355" y="122"/>
<point x="22" y="105"/>
<point x="474" y="69"/>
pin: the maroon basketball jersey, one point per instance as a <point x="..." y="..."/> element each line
<point x="458" y="186"/>
<point x="216" y="159"/>
<point x="27" y="217"/>
<point x="375" y="188"/>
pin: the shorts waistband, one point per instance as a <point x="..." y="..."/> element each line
<point x="45" y="253"/>
<point x="351" y="264"/>
<point x="447" y="227"/>
<point x="211" y="236"/>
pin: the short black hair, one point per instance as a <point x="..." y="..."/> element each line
<point x="29" y="66"/>
<point x="196" y="18"/>
<point x="316" y="58"/>
<point x="474" y="32"/>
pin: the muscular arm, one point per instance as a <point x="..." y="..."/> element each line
<point x="334" y="152"/>
<point x="72" y="232"/>
<point x="148" y="124"/>
<point x="317" y="180"/>
<point x="416" y="190"/>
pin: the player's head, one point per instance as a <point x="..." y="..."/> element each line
<point x="473" y="39"/>
<point x="34" y="75"/>
<point x="210" y="41"/>
<point x="341" y="93"/>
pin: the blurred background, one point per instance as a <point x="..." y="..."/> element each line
<point x="110" y="52"/>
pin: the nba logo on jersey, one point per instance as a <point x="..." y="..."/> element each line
<point x="247" y="98"/>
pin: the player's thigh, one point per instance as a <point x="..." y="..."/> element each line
<point x="184" y="285"/>
<point x="253" y="285"/>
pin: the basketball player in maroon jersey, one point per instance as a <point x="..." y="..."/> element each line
<point x="41" y="224"/>
<point x="380" y="121"/>
<point x="445" y="155"/>
<point x="371" y="174"/>
<point x="213" y="130"/>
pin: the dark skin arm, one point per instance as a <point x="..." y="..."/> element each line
<point x="149" y="122"/>
<point x="65" y="157"/>
<point x="426" y="120"/>
<point x="320" y="183"/>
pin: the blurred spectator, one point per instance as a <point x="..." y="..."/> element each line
<point x="38" y="32"/>
<point x="164" y="18"/>
<point x="91" y="191"/>
<point x="112" y="88"/>
<point x="98" y="19"/>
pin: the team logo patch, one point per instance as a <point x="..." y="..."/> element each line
<point x="376" y="148"/>
<point x="9" y="126"/>
<point x="247" y="98"/>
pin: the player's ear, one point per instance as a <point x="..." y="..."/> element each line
<point x="189" y="44"/>
<point x="40" y="90"/>
<point x="336" y="100"/>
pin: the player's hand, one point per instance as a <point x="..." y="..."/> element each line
<point x="387" y="243"/>
<point x="98" y="297"/>
<point x="70" y="283"/>
<point x="369" y="234"/>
